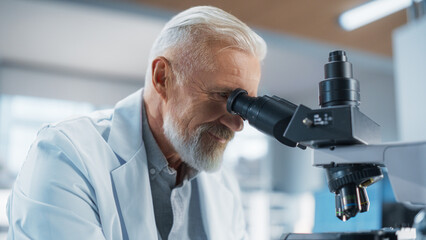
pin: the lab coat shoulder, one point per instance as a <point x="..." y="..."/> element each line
<point x="86" y="137"/>
<point x="56" y="192"/>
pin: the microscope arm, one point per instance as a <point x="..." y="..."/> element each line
<point x="405" y="164"/>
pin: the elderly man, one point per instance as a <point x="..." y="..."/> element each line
<point x="149" y="168"/>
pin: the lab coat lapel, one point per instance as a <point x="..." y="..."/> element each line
<point x="217" y="206"/>
<point x="131" y="181"/>
<point x="133" y="190"/>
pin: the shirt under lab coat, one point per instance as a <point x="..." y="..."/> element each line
<point x="87" y="178"/>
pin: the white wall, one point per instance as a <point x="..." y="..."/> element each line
<point x="73" y="44"/>
<point x="409" y="45"/>
<point x="98" y="90"/>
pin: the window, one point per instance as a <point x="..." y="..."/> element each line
<point x="20" y="119"/>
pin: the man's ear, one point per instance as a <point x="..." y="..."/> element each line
<point x="161" y="74"/>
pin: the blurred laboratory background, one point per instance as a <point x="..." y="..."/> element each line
<point x="59" y="59"/>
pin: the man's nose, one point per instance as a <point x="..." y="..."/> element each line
<point x="233" y="122"/>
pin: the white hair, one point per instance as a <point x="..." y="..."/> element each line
<point x="188" y="39"/>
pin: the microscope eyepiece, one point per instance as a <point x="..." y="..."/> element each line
<point x="240" y="106"/>
<point x="337" y="56"/>
<point x="339" y="87"/>
<point x="270" y="115"/>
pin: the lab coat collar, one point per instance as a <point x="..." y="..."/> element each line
<point x="131" y="180"/>
<point x="133" y="195"/>
<point x="125" y="137"/>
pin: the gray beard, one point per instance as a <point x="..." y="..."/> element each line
<point x="192" y="151"/>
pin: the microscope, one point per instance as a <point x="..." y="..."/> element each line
<point x="346" y="142"/>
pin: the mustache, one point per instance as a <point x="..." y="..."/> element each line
<point x="218" y="130"/>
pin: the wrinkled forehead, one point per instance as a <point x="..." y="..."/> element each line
<point x="233" y="69"/>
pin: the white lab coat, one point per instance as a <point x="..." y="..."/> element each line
<point x="87" y="178"/>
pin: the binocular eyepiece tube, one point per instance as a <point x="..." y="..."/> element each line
<point x="270" y="115"/>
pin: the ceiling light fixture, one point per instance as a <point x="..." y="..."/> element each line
<point x="370" y="12"/>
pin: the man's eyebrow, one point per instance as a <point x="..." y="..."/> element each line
<point x="223" y="89"/>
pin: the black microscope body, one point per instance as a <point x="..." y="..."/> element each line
<point x="338" y="122"/>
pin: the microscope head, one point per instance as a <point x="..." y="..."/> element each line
<point x="347" y="181"/>
<point x="338" y="122"/>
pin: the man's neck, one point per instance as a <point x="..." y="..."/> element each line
<point x="155" y="122"/>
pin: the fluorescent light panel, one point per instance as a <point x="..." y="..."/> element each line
<point x="370" y="12"/>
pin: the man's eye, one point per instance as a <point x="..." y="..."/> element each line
<point x="224" y="95"/>
<point x="220" y="96"/>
